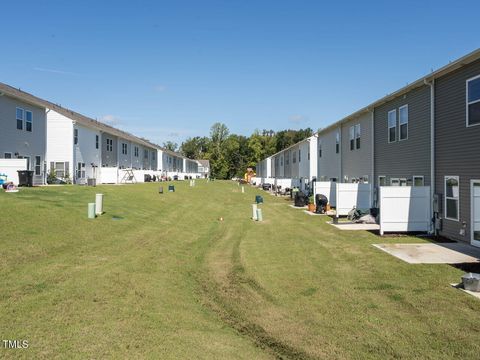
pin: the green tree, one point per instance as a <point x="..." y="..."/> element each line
<point x="170" y="145"/>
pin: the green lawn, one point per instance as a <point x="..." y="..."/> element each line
<point x="158" y="276"/>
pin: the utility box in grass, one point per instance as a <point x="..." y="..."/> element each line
<point x="471" y="282"/>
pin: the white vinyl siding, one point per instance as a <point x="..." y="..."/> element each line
<point x="403" y="120"/>
<point x="473" y="101"/>
<point x="392" y="126"/>
<point x="452" y="197"/>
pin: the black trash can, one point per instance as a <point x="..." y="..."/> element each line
<point x="25" y="178"/>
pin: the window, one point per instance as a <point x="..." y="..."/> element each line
<point x="145" y="154"/>
<point x="473" y="101"/>
<point x="364" y="179"/>
<point x="19" y="118"/>
<point x="281" y="161"/>
<point x="135" y="151"/>
<point x="308" y="156"/>
<point x="319" y="149"/>
<point x="294" y="157"/>
<point x="395" y="182"/>
<point x="382" y="181"/>
<point x="299" y="156"/>
<point x="357" y="135"/>
<point x="352" y="137"/>
<point x="451" y="197"/>
<point x="153" y="155"/>
<point x="96" y="141"/>
<point x="392" y="126"/>
<point x="109" y="145"/>
<point x="60" y="168"/>
<point x="337" y="142"/>
<point x="81" y="170"/>
<point x="403" y="115"/>
<point x="38" y="165"/>
<point x="7" y="155"/>
<point x="418" y="181"/>
<point x="75" y="136"/>
<point x="287" y="158"/>
<point x="403" y="182"/>
<point x="124" y="149"/>
<point x="28" y="121"/>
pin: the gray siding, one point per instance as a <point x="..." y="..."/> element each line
<point x="25" y="143"/>
<point x="358" y="162"/>
<point x="457" y="146"/>
<point x="406" y="158"/>
<point x="329" y="162"/>
<point x="109" y="158"/>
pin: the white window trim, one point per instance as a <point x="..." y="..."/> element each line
<point x="403" y="180"/>
<point x="357" y="136"/>
<point x="26" y="121"/>
<point x="445" y="197"/>
<point x="469" y="103"/>
<point x="389" y="127"/>
<point x="22" y="119"/>
<point x="394" y="179"/>
<point x="418" y="177"/>
<point x="400" y="124"/>
<point x="35" y="166"/>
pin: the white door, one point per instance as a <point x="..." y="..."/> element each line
<point x="475" y="201"/>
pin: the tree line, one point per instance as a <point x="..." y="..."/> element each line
<point x="230" y="154"/>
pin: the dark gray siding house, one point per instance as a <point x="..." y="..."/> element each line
<point x="109" y="150"/>
<point x="402" y="139"/>
<point x="457" y="160"/>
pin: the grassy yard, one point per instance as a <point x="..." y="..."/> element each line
<point x="158" y="276"/>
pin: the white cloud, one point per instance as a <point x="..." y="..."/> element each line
<point x="297" y="118"/>
<point x="160" y="88"/>
<point x="54" y="71"/>
<point x="110" y="119"/>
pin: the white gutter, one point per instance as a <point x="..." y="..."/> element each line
<point x="431" y="84"/>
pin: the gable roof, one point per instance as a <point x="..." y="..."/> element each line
<point x="77" y="117"/>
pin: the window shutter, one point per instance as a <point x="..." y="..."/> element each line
<point x="52" y="166"/>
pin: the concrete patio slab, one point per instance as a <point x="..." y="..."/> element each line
<point x="459" y="286"/>
<point x="430" y="253"/>
<point x="350" y="226"/>
<point x="298" y="207"/>
<point x="313" y="214"/>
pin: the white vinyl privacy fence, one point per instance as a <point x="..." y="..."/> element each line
<point x="10" y="167"/>
<point x="404" y="208"/>
<point x="284" y="183"/>
<point x="349" y="196"/>
<point x="327" y="188"/>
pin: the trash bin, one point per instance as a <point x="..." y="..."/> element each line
<point x="258" y="199"/>
<point x="25" y="178"/>
<point x="171" y="188"/>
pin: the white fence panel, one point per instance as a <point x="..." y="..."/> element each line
<point x="327" y="188"/>
<point x="108" y="175"/>
<point x="10" y="167"/>
<point x="350" y="195"/>
<point x="404" y="208"/>
<point x="140" y="175"/>
<point x="284" y="183"/>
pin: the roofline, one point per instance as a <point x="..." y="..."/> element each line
<point x="444" y="70"/>
<point x="297" y="143"/>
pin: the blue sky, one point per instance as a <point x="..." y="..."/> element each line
<point x="167" y="70"/>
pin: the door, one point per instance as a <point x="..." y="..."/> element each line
<point x="475" y="201"/>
